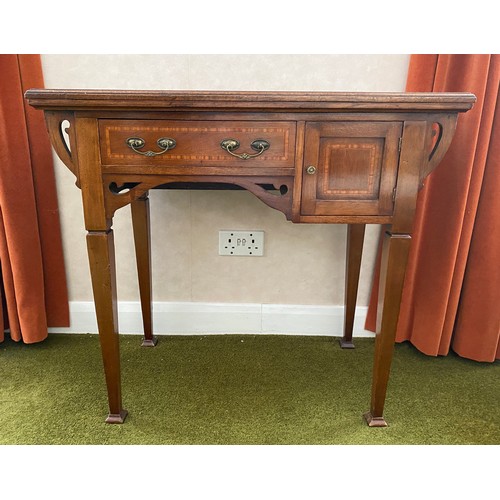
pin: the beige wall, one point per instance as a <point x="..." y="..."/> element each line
<point x="303" y="264"/>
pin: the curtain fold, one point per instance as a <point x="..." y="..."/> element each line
<point x="33" y="284"/>
<point x="451" y="296"/>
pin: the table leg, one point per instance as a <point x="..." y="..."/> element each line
<point x="355" y="239"/>
<point x="394" y="258"/>
<point x="101" y="251"/>
<point x="142" y="240"/>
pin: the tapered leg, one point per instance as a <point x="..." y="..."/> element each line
<point x="355" y="238"/>
<point x="101" y="251"/>
<point x="142" y="240"/>
<point x="394" y="258"/>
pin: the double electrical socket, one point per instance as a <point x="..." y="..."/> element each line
<point x="241" y="243"/>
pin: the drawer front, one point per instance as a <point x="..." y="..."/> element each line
<point x="350" y="168"/>
<point x="197" y="143"/>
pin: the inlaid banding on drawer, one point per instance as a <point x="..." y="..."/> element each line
<point x="197" y="143"/>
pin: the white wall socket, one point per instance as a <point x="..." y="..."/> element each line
<point x="241" y="243"/>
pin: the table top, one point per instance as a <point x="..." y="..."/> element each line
<point x="262" y="101"/>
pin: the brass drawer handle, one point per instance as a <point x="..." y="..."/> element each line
<point x="164" y="143"/>
<point x="311" y="170"/>
<point x="259" y="145"/>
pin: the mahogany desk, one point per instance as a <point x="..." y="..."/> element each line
<point x="318" y="157"/>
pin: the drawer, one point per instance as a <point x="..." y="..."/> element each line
<point x="197" y="143"/>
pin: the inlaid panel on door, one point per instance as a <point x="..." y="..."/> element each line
<point x="350" y="168"/>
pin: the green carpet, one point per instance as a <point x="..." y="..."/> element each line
<point x="241" y="389"/>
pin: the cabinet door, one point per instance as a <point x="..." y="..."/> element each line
<point x="350" y="168"/>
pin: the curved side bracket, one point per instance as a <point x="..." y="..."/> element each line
<point x="66" y="152"/>
<point x="445" y="131"/>
<point x="118" y="195"/>
<point x="280" y="199"/>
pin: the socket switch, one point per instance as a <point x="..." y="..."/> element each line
<point x="241" y="243"/>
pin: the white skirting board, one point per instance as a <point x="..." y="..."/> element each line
<point x="195" y="318"/>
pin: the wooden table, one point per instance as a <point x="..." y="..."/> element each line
<point x="318" y="157"/>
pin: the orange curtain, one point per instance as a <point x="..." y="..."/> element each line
<point x="451" y="296"/>
<point x="33" y="282"/>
